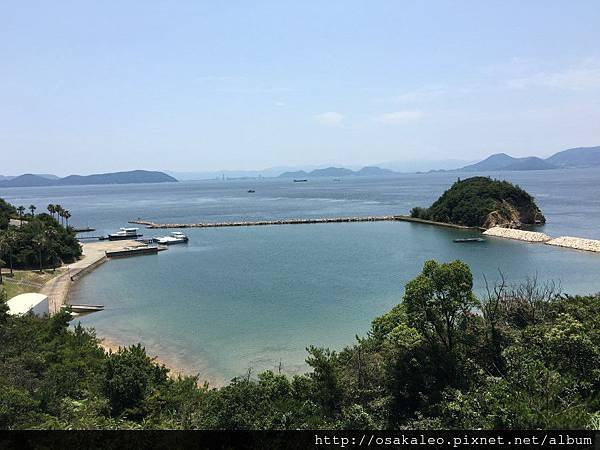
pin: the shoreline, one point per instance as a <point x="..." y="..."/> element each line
<point x="176" y="370"/>
<point x="59" y="289"/>
<point x="93" y="255"/>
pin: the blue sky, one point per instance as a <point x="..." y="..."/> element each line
<point x="193" y="86"/>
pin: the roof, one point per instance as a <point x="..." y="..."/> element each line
<point x="21" y="304"/>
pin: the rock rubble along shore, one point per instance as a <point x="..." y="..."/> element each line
<point x="589" y="245"/>
<point x="520" y="235"/>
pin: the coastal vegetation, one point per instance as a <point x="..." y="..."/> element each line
<point x="36" y="241"/>
<point x="522" y="356"/>
<point x="483" y="202"/>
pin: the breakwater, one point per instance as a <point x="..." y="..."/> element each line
<point x="253" y="223"/>
<point x="590" y="245"/>
<point x="519" y="235"/>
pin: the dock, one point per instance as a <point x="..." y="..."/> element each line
<point x="134" y="251"/>
<point x="83" y="230"/>
<point x="390" y="218"/>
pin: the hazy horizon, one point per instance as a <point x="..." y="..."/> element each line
<point x="193" y="87"/>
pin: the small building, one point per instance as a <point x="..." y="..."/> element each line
<point x="34" y="303"/>
<point x="15" y="222"/>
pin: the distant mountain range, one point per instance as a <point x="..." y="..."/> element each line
<point x="43" y="175"/>
<point x="581" y="157"/>
<point x="134" y="176"/>
<point x="339" y="172"/>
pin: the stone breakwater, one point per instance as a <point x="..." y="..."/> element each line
<point x="255" y="223"/>
<point x="576" y="243"/>
<point x="149" y="224"/>
<point x="589" y="245"/>
<point x="520" y="235"/>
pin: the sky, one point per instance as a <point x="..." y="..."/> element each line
<point x="89" y="87"/>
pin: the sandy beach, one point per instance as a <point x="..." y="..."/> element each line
<point x="175" y="369"/>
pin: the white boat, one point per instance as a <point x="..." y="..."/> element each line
<point x="124" y="233"/>
<point x="176" y="237"/>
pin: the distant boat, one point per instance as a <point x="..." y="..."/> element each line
<point x="463" y="240"/>
<point x="176" y="237"/>
<point x="251" y="191"/>
<point x="124" y="233"/>
<point x="300" y="181"/>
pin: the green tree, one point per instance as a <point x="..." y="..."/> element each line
<point x="40" y="241"/>
<point x="130" y="376"/>
<point x="328" y="391"/>
<point x="439" y="301"/>
<point x="21" y="212"/>
<point x="51" y="209"/>
<point x="67" y="216"/>
<point x="8" y="241"/>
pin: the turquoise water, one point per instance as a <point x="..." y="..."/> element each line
<point x="239" y="298"/>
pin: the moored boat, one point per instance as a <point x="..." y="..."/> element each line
<point x="462" y="240"/>
<point x="124" y="233"/>
<point x="176" y="237"/>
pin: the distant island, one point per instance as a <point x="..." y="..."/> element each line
<point x="339" y="172"/>
<point x="483" y="202"/>
<point x="130" y="177"/>
<point x="574" y="158"/>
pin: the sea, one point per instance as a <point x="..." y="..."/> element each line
<point x="241" y="300"/>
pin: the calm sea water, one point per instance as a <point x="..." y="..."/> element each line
<point x="239" y="298"/>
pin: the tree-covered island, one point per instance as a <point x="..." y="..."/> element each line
<point x="483" y="202"/>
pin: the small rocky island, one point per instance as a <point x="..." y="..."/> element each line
<point x="483" y="202"/>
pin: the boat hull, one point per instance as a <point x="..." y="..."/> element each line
<point x="115" y="237"/>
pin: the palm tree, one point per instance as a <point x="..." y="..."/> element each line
<point x="60" y="212"/>
<point x="50" y="235"/>
<point x="67" y="215"/>
<point x="41" y="242"/>
<point x="11" y="239"/>
<point x="32" y="208"/>
<point x="21" y="211"/>
<point x="52" y="209"/>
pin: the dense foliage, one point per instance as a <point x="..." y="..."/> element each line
<point x="477" y="201"/>
<point x="6" y="212"/>
<point x="39" y="241"/>
<point x="523" y="357"/>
